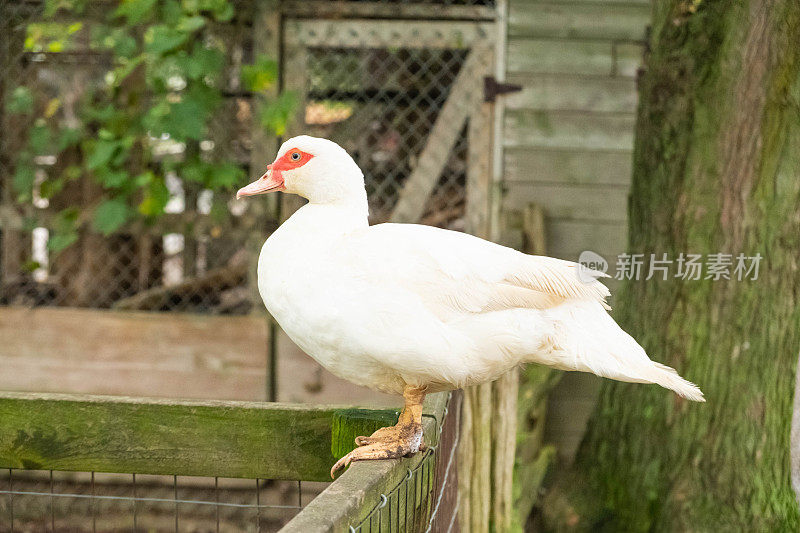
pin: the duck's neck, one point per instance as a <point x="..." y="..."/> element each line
<point x="339" y="217"/>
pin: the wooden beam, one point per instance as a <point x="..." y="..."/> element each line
<point x="155" y="298"/>
<point x="266" y="42"/>
<point x="340" y="8"/>
<point x="464" y="97"/>
<point x="588" y="20"/>
<point x="479" y="170"/>
<point x="15" y="217"/>
<point x="372" y="33"/>
<point x="147" y="436"/>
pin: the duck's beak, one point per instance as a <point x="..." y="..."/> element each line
<point x="269" y="182"/>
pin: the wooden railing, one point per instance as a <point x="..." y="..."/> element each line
<point x="250" y="440"/>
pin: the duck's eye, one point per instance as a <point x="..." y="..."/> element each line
<point x="295" y="156"/>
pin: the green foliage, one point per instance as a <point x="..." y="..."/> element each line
<point x="162" y="88"/>
<point x="110" y="216"/>
<point x="276" y="116"/>
<point x="21" y="101"/>
<point x="261" y="75"/>
<point x="65" y="230"/>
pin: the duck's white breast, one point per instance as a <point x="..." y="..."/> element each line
<point x="310" y="299"/>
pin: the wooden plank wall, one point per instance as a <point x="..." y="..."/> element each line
<point x="167" y="355"/>
<point x="569" y="133"/>
<point x="568" y="143"/>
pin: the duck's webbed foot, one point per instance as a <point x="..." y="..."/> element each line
<point x="392" y="442"/>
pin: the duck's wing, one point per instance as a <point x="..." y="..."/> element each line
<point x="455" y="272"/>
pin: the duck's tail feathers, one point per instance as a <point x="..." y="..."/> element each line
<point x="586" y="338"/>
<point x="668" y="378"/>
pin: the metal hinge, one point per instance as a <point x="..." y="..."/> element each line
<point x="492" y="88"/>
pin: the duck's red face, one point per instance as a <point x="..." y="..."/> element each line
<point x="273" y="179"/>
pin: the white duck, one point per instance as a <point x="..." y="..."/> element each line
<point x="411" y="309"/>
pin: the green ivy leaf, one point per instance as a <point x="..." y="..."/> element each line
<point x="195" y="171"/>
<point x="51" y="187"/>
<point x="190" y="24"/>
<point x="171" y="12"/>
<point x="222" y="10"/>
<point x="161" y="39"/>
<point x="69" y="137"/>
<point x="100" y="113"/>
<point x="40" y="139"/>
<point x="206" y="97"/>
<point x="66" y="219"/>
<point x="65" y="229"/>
<point x="110" y="215"/>
<point x="51" y="7"/>
<point x="145" y="178"/>
<point x="114" y="179"/>
<point x="100" y="153"/>
<point x="59" y="241"/>
<point x="155" y="199"/>
<point x="186" y="120"/>
<point x="30" y="265"/>
<point x="23" y="179"/>
<point x="261" y="75"/>
<point x="276" y="114"/>
<point x="201" y="62"/>
<point x="123" y="44"/>
<point x="72" y="172"/>
<point x="21" y="101"/>
<point x="135" y="11"/>
<point x="225" y="176"/>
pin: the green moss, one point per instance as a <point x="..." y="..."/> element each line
<point x="347" y="424"/>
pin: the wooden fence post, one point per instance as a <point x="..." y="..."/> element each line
<point x="533" y="458"/>
<point x="489" y="413"/>
<point x="266" y="41"/>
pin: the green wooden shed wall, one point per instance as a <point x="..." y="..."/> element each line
<point x="568" y="141"/>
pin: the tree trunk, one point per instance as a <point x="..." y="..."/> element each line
<point x="716" y="170"/>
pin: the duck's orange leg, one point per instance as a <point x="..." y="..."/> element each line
<point x="404" y="438"/>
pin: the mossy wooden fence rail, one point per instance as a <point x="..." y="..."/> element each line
<point x="234" y="440"/>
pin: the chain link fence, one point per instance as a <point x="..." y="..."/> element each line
<point x="381" y="104"/>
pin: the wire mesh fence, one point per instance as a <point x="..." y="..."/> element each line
<point x="399" y="97"/>
<point x="33" y="500"/>
<point x="382" y="104"/>
<point x="426" y="499"/>
<point x="191" y="258"/>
